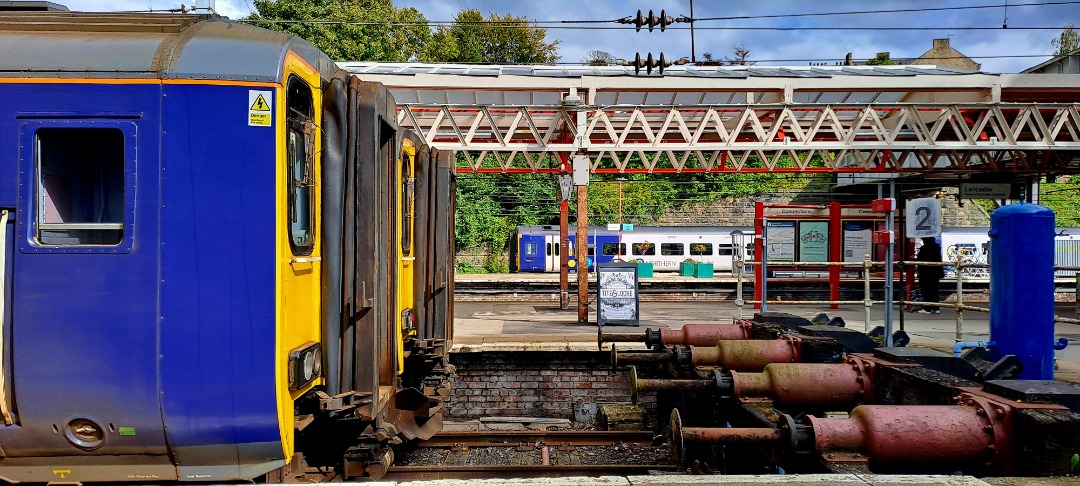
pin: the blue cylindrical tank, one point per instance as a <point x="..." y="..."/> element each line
<point x="1022" y="287"/>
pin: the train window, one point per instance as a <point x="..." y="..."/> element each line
<point x="671" y="249"/>
<point x="592" y="250"/>
<point x="80" y="182"/>
<point x="610" y="249"/>
<point x="556" y="249"/>
<point x="300" y="157"/>
<point x="530" y="248"/>
<point x="726" y="250"/>
<point x="407" y="196"/>
<point x="643" y="248"/>
<point x="549" y="249"/>
<point x="622" y="249"/>
<point x="702" y="249"/>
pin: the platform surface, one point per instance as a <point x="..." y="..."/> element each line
<point x="520" y="326"/>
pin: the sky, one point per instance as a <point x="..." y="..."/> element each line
<point x="798" y="47"/>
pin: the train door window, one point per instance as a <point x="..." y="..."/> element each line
<point x="592" y="250"/>
<point x="726" y="250"/>
<point x="610" y="249"/>
<point x="300" y="157"/>
<point x="701" y="249"/>
<point x="645" y="248"/>
<point x="622" y="249"/>
<point x="408" y="195"/>
<point x="671" y="249"/>
<point x="530" y="249"/>
<point x="549" y="249"/>
<point x="80" y="186"/>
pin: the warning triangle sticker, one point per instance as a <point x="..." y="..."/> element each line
<point x="260" y="104"/>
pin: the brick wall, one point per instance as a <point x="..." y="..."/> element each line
<point x="535" y="384"/>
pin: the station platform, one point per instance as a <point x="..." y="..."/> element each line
<point x="524" y="326"/>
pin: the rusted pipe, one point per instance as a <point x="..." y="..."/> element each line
<point x="700" y="334"/>
<point x="688" y="335"/>
<point x="732" y="435"/>
<point x="808" y="384"/>
<point x="972" y="433"/>
<point x="652" y="385"/>
<point x="750" y="355"/>
<point x="545" y="457"/>
<point x="892" y="434"/>
<point x="611" y="337"/>
<point x="640" y="357"/>
<point x="798" y="384"/>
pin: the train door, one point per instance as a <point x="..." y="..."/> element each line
<point x="83" y="292"/>
<point x="531" y="249"/>
<point x="551" y="253"/>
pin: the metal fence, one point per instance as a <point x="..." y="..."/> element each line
<point x="963" y="269"/>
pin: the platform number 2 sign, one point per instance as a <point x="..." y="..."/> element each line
<point x="923" y="217"/>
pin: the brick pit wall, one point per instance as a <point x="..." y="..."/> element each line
<point x="536" y="384"/>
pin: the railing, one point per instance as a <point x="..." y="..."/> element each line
<point x="867" y="266"/>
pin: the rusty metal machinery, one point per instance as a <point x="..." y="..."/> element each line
<point x="688" y="335"/>
<point x="789" y="384"/>
<point x="973" y="435"/>
<point x="749" y="355"/>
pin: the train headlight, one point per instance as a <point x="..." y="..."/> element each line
<point x="305" y="365"/>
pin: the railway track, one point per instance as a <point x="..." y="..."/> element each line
<point x="532" y="454"/>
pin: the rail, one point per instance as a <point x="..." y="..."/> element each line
<point x="962" y="270"/>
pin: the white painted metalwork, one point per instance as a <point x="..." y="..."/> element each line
<point x="740" y="119"/>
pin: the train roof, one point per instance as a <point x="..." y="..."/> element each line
<point x="51" y="44"/>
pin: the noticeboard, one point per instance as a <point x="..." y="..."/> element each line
<point x="780" y="243"/>
<point x="813" y="241"/>
<point x="617" y="294"/>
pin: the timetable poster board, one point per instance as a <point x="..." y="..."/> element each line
<point x="617" y="294"/>
<point x="814" y="241"/>
<point x="780" y="242"/>
<point x="858" y="240"/>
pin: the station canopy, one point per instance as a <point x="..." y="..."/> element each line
<point x="857" y="119"/>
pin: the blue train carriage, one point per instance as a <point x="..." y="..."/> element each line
<point x="181" y="190"/>
<point x="537" y="248"/>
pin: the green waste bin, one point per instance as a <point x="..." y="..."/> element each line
<point x="703" y="270"/>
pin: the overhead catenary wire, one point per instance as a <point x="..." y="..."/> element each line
<point x="555" y="24"/>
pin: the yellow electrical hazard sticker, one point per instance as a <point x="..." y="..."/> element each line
<point x="259" y="111"/>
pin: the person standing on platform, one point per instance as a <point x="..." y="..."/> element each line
<point x="930" y="275"/>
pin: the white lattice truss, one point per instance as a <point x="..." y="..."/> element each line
<point x="758" y="138"/>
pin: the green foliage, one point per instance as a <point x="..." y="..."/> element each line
<point x="462" y="266"/>
<point x="1061" y="197"/>
<point x="1068" y="41"/>
<point x="499" y="39"/>
<point x="1073" y="462"/>
<point x="365" y="34"/>
<point x="882" y="59"/>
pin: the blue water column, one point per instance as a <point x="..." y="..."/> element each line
<point x="1022" y="287"/>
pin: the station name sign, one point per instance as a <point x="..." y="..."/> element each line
<point x="985" y="191"/>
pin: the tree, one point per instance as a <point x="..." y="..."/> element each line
<point x="1068" y="41"/>
<point x="499" y="39"/>
<point x="882" y="59"/>
<point x="350" y="30"/>
<point x="599" y="58"/>
<point x="741" y="56"/>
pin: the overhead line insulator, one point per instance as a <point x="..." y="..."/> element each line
<point x="652" y="21"/>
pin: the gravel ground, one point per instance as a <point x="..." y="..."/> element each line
<point x="616" y="454"/>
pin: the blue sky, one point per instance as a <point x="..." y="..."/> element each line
<point x="793" y="47"/>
